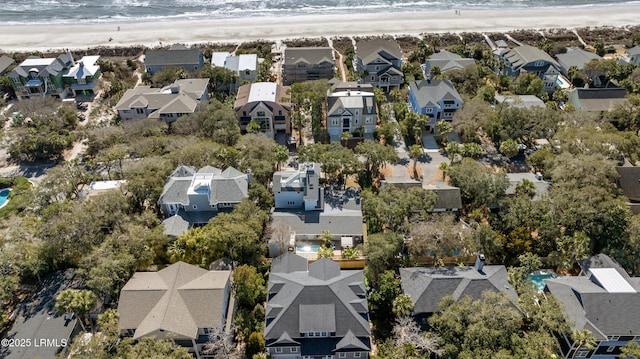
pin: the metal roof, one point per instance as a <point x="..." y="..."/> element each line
<point x="611" y="280"/>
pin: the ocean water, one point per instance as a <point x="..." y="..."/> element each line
<point x="93" y="11"/>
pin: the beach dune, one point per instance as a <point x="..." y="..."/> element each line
<point x="234" y="30"/>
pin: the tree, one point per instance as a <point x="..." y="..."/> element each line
<point x="509" y="148"/>
<point x="442" y="235"/>
<point x="630" y="351"/>
<point x="479" y="186"/>
<point x="382" y="251"/>
<point x="380" y="300"/>
<point x="402" y="306"/>
<point x="415" y="151"/>
<point x="220" y="344"/>
<point x="255" y="344"/>
<point x="248" y="286"/>
<point x="281" y="154"/>
<point x="149" y="347"/>
<point x="79" y="302"/>
<point x="406" y="333"/>
<point x="168" y="76"/>
<point x="584" y="339"/>
<point x="376" y="155"/>
<point x="444" y="128"/>
<point x="394" y="207"/>
<point x="325" y="252"/>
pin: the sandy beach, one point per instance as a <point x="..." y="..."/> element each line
<point x="51" y="37"/>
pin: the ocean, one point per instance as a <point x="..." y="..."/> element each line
<point x="122" y="11"/>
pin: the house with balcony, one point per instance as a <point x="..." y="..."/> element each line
<point x="182" y="303"/>
<point x="267" y="104"/>
<point x="39" y="77"/>
<point x="316" y="310"/>
<point x="437" y="99"/>
<point x="191" y="197"/>
<point x="604" y="300"/>
<point x="428" y="285"/>
<point x="82" y="78"/>
<point x="308" y="209"/>
<point x="530" y="59"/>
<point x="351" y="107"/>
<point x="379" y="62"/>
<point x="178" y="56"/>
<point x="301" y="64"/>
<point x="167" y="103"/>
<point x="245" y="66"/>
<point x="447" y="61"/>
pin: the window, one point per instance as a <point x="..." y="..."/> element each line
<point x="613" y="338"/>
<point x="291" y="203"/>
<point x="294" y="349"/>
<point x="247" y="72"/>
<point x="357" y="112"/>
<point x="139" y="111"/>
<point x="261" y="113"/>
<point x="539" y="63"/>
<point x="342" y="355"/>
<point x="356" y="355"/>
<point x="377" y="67"/>
<point x="368" y="120"/>
<point x="278" y="350"/>
<point x="373" y="78"/>
<point x="16" y="80"/>
<point x="335" y="122"/>
<point x="82" y="81"/>
<point x="582" y="353"/>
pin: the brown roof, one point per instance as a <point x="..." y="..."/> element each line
<point x="178" y="299"/>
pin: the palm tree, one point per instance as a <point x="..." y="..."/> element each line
<point x="326" y="238"/>
<point x="281" y="154"/>
<point x="584" y="338"/>
<point x="79" y="302"/>
<point x="415" y="151"/>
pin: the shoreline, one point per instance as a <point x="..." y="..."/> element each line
<point x="236" y="30"/>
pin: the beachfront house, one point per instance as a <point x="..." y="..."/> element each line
<point x="520" y="101"/>
<point x="426" y="286"/>
<point x="523" y="59"/>
<point x="306" y="209"/>
<point x="447" y="61"/>
<point x="578" y="58"/>
<point x="5" y="62"/>
<point x="266" y="106"/>
<point x="191" y="197"/>
<point x="179" y="56"/>
<point x="597" y="100"/>
<point x="60" y="77"/>
<point x="633" y="55"/>
<point x="378" y="62"/>
<point x="167" y="103"/>
<point x="604" y="300"/>
<point x="351" y="107"/>
<point x="316" y="310"/>
<point x="437" y="99"/>
<point x="181" y="303"/>
<point x="301" y="64"/>
<point x="245" y="66"/>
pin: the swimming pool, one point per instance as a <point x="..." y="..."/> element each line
<point x="4" y="194"/>
<point x="307" y="248"/>
<point x="538" y="279"/>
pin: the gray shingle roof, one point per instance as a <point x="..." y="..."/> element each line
<point x="429" y="92"/>
<point x="368" y="50"/>
<point x="308" y="55"/>
<point x="629" y="181"/>
<point x="523" y="55"/>
<point x="288" y="262"/>
<point x="427" y="286"/>
<point x="447" y="61"/>
<point x="5" y="62"/>
<point x="178" y="299"/>
<point x="600" y="99"/>
<point x="299" y="302"/>
<point x="577" y="58"/>
<point x="634" y="50"/>
<point x="541" y="186"/>
<point x="448" y="196"/>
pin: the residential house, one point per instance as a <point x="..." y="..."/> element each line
<point x="301" y="64"/>
<point x="428" y="285"/>
<point x="82" y="78"/>
<point x="351" y="107"/>
<point x="598" y="100"/>
<point x="578" y="58"/>
<point x="5" y="62"/>
<point x="178" y="56"/>
<point x="447" y="61"/>
<point x="437" y="99"/>
<point x="191" y="197"/>
<point x="634" y="55"/>
<point x="541" y="187"/>
<point x="629" y="182"/>
<point x="604" y="300"/>
<point x="449" y="199"/>
<point x="245" y="66"/>
<point x="38" y="322"/>
<point x="266" y="103"/>
<point x="379" y="62"/>
<point x="520" y="101"/>
<point x="316" y="311"/>
<point x="36" y="76"/>
<point x="167" y="103"/>
<point x="182" y="303"/>
<point x="307" y="210"/>
<point x="531" y="59"/>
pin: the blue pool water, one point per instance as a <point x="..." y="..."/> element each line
<point x="4" y="194"/>
<point x="307" y="248"/>
<point x="538" y="279"/>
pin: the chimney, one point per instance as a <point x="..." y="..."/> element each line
<point x="479" y="262"/>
